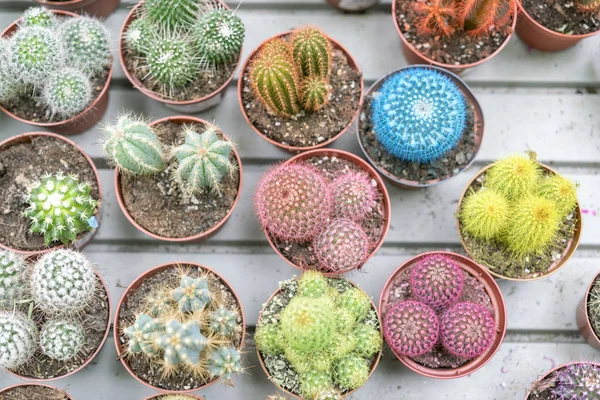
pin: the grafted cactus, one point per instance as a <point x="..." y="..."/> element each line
<point x="312" y="52"/>
<point x="467" y="330"/>
<point x="62" y="340"/>
<point x="171" y="14"/>
<point x="307" y="325"/>
<point x="562" y="191"/>
<point x="141" y="335"/>
<point x="354" y="195"/>
<point x="225" y="362"/>
<point x="86" y="44"/>
<point x="138" y="34"/>
<point x="341" y="246"/>
<point x="192" y="294"/>
<point x="484" y="214"/>
<point x="18" y="336"/>
<point x="223" y="321"/>
<point x="351" y="372"/>
<point x="579" y="381"/>
<point x="38" y="16"/>
<point x="67" y="93"/>
<point x="171" y="61"/>
<point x="437" y="281"/>
<point x="35" y="53"/>
<point x="315" y="93"/>
<point x="219" y="35"/>
<point x="514" y="176"/>
<point x="181" y="343"/>
<point x="411" y="328"/>
<point x="12" y="277"/>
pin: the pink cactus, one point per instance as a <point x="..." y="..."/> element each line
<point x="411" y="328"/>
<point x="354" y="196"/>
<point x="467" y="330"/>
<point x="342" y="246"/>
<point x="437" y="281"/>
<point x="293" y="202"/>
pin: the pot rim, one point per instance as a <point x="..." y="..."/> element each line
<point x="557" y="368"/>
<point x="34" y="384"/>
<point x="64" y="2"/>
<point x="198" y="236"/>
<point x="586" y="298"/>
<point x="296" y="149"/>
<point x="159" y="396"/>
<point x="523" y="12"/>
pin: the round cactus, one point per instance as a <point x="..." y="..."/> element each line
<point x="192" y="294"/>
<point x="138" y="34"/>
<point x="579" y="381"/>
<point x="418" y="114"/>
<point x="484" y="214"/>
<point x="159" y="302"/>
<point x="344" y="343"/>
<point x="351" y="372"/>
<point x="354" y="195"/>
<point x="342" y="246"/>
<point x="314" y="382"/>
<point x="224" y="362"/>
<point x="12" y="277"/>
<point x="35" y="53"/>
<point x="312" y="52"/>
<point x="223" y="321"/>
<point x="269" y="339"/>
<point x="562" y="191"/>
<point x="62" y="340"/>
<point x="181" y="342"/>
<point x="467" y="330"/>
<point x="307" y="325"/>
<point x="86" y="44"/>
<point x="38" y="16"/>
<point x="219" y="35"/>
<point x="329" y="394"/>
<point x="293" y="202"/>
<point x="368" y="340"/>
<point x="141" y="335"/>
<point x="437" y="281"/>
<point x="312" y="284"/>
<point x="315" y="93"/>
<point x="62" y="281"/>
<point x="411" y="328"/>
<point x="356" y="302"/>
<point x="10" y="88"/>
<point x="170" y="62"/>
<point x="298" y="359"/>
<point x="18" y="337"/>
<point x="67" y="93"/>
<point x="514" y="176"/>
<point x="171" y="13"/>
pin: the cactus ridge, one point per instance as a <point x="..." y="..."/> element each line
<point x="170" y="14"/>
<point x="411" y="328"/>
<point x="437" y="281"/>
<point x="312" y="52"/>
<point x="467" y="330"/>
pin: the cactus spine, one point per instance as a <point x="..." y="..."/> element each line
<point x="67" y="93"/>
<point x="86" y="44"/>
<point x="485" y="214"/>
<point x="312" y="52"/>
<point x="577" y="381"/>
<point x="18" y="336"/>
<point x="219" y="35"/>
<point x="514" y="176"/>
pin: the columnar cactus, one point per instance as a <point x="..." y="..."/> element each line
<point x="181" y="343"/>
<point x="86" y="44"/>
<point x="312" y="52"/>
<point x="411" y="328"/>
<point x="38" y="16"/>
<point x="141" y="335"/>
<point x="170" y="14"/>
<point x="514" y="176"/>
<point x="351" y="372"/>
<point x="315" y="93"/>
<point x="579" y="381"/>
<point x="60" y="207"/>
<point x="437" y="281"/>
<point x="67" y="92"/>
<point x="171" y="62"/>
<point x="219" y="35"/>
<point x="307" y="325"/>
<point x="484" y="214"/>
<point x="192" y="294"/>
<point x="18" y="336"/>
<point x="12" y="277"/>
<point x="418" y="114"/>
<point x="560" y="190"/>
<point x="341" y="246"/>
<point x="467" y="330"/>
<point x="223" y="321"/>
<point x="62" y="340"/>
<point x="35" y="53"/>
<point x="225" y="362"/>
<point x="354" y="195"/>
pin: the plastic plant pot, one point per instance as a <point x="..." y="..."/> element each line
<point x="352" y="5"/>
<point x="543" y="377"/>
<point x="95" y="8"/>
<point x="583" y="318"/>
<point x="4" y="391"/>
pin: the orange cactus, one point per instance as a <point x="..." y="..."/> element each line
<point x="591" y="6"/>
<point x="435" y="18"/>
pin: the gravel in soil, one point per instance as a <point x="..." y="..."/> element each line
<point x="562" y="16"/>
<point x="159" y="205"/>
<point x="20" y="166"/>
<point x="542" y="389"/>
<point x="33" y="393"/>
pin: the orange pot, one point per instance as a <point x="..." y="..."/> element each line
<point x="95" y="8"/>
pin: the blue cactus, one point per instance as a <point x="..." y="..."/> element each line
<point x="223" y="321"/>
<point x="418" y="114"/>
<point x="141" y="334"/>
<point x="224" y="362"/>
<point x="192" y="294"/>
<point x="181" y="342"/>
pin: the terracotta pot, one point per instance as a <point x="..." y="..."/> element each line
<point x="529" y="392"/>
<point x="83" y="238"/>
<point x="295" y="396"/>
<point x="552" y="268"/>
<point x="79" y="123"/>
<point x="352" y="5"/>
<point x="385" y="198"/>
<point x="181" y="106"/>
<point x="199" y="236"/>
<point x="297" y="149"/>
<point x="478" y="128"/>
<point x="94" y="8"/>
<point x="133" y="287"/>
<point x="160" y="396"/>
<point x="6" y="390"/>
<point x="583" y="319"/>
<point x="91" y="357"/>
<point x="493" y="291"/>
<point x="413" y="56"/>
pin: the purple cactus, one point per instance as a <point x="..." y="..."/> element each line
<point x="437" y="281"/>
<point x="342" y="246"/>
<point x="354" y="195"/>
<point x="411" y="328"/>
<point x="293" y="202"/>
<point x="579" y="381"/>
<point x="467" y="330"/>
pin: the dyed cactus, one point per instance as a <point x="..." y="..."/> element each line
<point x="411" y="328"/>
<point x="38" y="16"/>
<point x="354" y="196"/>
<point x="307" y="325"/>
<point x="561" y="191"/>
<point x="351" y="372"/>
<point x="18" y="337"/>
<point x="312" y="52"/>
<point x="192" y="294"/>
<point x="223" y="321"/>
<point x="60" y="207"/>
<point x="219" y="35"/>
<point x="12" y="277"/>
<point x="141" y="335"/>
<point x="269" y="339"/>
<point x="171" y="62"/>
<point x="484" y="214"/>
<point x="314" y="382"/>
<point x="368" y="340"/>
<point x="467" y="330"/>
<point x="67" y="93"/>
<point x="86" y="44"/>
<point x="341" y="246"/>
<point x="171" y="14"/>
<point x="418" y="114"/>
<point x="62" y="340"/>
<point x="437" y="281"/>
<point x="315" y="93"/>
<point x="514" y="176"/>
<point x="138" y="34"/>
<point x="35" y="53"/>
<point x="579" y="381"/>
<point x="225" y="362"/>
<point x="312" y="284"/>
<point x="181" y="343"/>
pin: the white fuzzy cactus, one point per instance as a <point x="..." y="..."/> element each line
<point x="86" y="44"/>
<point x="67" y="93"/>
<point x="63" y="281"/>
<point x="18" y="336"/>
<point x="38" y="16"/>
<point x="35" y="53"/>
<point x="12" y="276"/>
<point x="62" y="339"/>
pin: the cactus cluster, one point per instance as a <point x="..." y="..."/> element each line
<point x="518" y="206"/>
<point x="577" y="382"/>
<point x="329" y="357"/>
<point x="293" y="75"/>
<point x="418" y="114"/>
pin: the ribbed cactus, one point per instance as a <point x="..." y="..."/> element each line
<point x="62" y="340"/>
<point x="437" y="281"/>
<point x="307" y="325"/>
<point x="467" y="330"/>
<point x="269" y="339"/>
<point x="219" y="35"/>
<point x="133" y="146"/>
<point x="351" y="372"/>
<point x="312" y="52"/>
<point x="171" y="14"/>
<point x="67" y="93"/>
<point x="159" y="302"/>
<point x="579" y="381"/>
<point x="223" y="321"/>
<point x="355" y="195"/>
<point x="38" y="16"/>
<point x="315" y="93"/>
<point x="141" y="334"/>
<point x="62" y="281"/>
<point x="60" y="207"/>
<point x="484" y="214"/>
<point x="368" y="340"/>
<point x="86" y="44"/>
<point x="411" y="328"/>
<point x="341" y="246"/>
<point x="561" y="191"/>
<point x="35" y="53"/>
<point x="312" y="284"/>
<point x="225" y="362"/>
<point x="181" y="343"/>
<point x="514" y="176"/>
<point x="192" y="294"/>
<point x="418" y="114"/>
<point x="313" y="382"/>
<point x="18" y="339"/>
<point x="138" y="35"/>
<point x="12" y="277"/>
<point x="171" y="61"/>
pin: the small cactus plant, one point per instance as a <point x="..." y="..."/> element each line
<point x="588" y="6"/>
<point x="223" y="321"/>
<point x="312" y="52"/>
<point x="312" y="284"/>
<point x="18" y="337"/>
<point x="62" y="340"/>
<point x="485" y="214"/>
<point x="86" y="44"/>
<point x="269" y="339"/>
<point x="514" y="176"/>
<point x="315" y="93"/>
<point x="560" y="190"/>
<point x="367" y="339"/>
<point x="170" y="14"/>
<point x="219" y="35"/>
<point x="225" y="362"/>
<point x="341" y="246"/>
<point x="67" y="92"/>
<point x="138" y="34"/>
<point x="437" y="281"/>
<point x="35" y="53"/>
<point x="181" y="343"/>
<point x="170" y="61"/>
<point x="38" y="16"/>
<point x="411" y="328"/>
<point x="467" y="330"/>
<point x="577" y="382"/>
<point x="351" y="372"/>
<point x="12" y="277"/>
<point x="354" y="195"/>
<point x="313" y="382"/>
<point x="141" y="333"/>
<point x="192" y="294"/>
<point x="306" y="325"/>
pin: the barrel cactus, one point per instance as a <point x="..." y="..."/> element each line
<point x="62" y="340"/>
<point x="38" y="16"/>
<point x="467" y="330"/>
<point x="12" y="277"/>
<point x="341" y="246"/>
<point x="223" y="321"/>
<point x="560" y="190"/>
<point x="141" y="335"/>
<point x="18" y="339"/>
<point x="192" y="294"/>
<point x="355" y="195"/>
<point x="514" y="176"/>
<point x="312" y="52"/>
<point x="171" y="14"/>
<point x="35" y="53"/>
<point x="437" y="281"/>
<point x="86" y="44"/>
<point x="225" y="362"/>
<point x="485" y="214"/>
<point x="411" y="328"/>
<point x="577" y="382"/>
<point x="219" y="35"/>
<point x="67" y="93"/>
<point x="171" y="62"/>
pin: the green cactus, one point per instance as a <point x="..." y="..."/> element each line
<point x="86" y="44"/>
<point x="368" y="340"/>
<point x="307" y="325"/>
<point x="514" y="176"/>
<point x="34" y="54"/>
<point x="223" y="321"/>
<point x="312" y="52"/>
<point x="269" y="339"/>
<point x="314" y="382"/>
<point x="12" y="277"/>
<point x="9" y="87"/>
<point x="38" y="16"/>
<point x="181" y="343"/>
<point x="224" y="362"/>
<point x="351" y="372"/>
<point x="171" y="62"/>
<point x="484" y="214"/>
<point x="171" y="13"/>
<point x="67" y="93"/>
<point x="219" y="35"/>
<point x="344" y="343"/>
<point x="329" y="394"/>
<point x="138" y="34"/>
<point x="192" y="294"/>
<point x="62" y="340"/>
<point x="141" y="335"/>
<point x="312" y="284"/>
<point x="18" y="339"/>
<point x="315" y="93"/>
<point x="561" y="191"/>
<point x="356" y="302"/>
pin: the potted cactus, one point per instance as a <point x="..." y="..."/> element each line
<point x="588" y="313"/>
<point x="453" y="34"/>
<point x="52" y="192"/>
<point x="574" y="381"/>
<point x="182" y="53"/>
<point x="95" y="8"/>
<point x="33" y="391"/>
<point x="300" y="90"/>
<point x="353" y="5"/>
<point x="54" y="314"/>
<point x="180" y="327"/>
<point x="55" y="70"/>
<point x="177" y="179"/>
<point x="420" y="125"/>
<point x="318" y="337"/>
<point x="175" y="397"/>
<point x="324" y="209"/>
<point x="443" y="315"/>
<point x="519" y="218"/>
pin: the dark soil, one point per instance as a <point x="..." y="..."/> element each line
<point x="562" y="16"/>
<point x="158" y="204"/>
<point x="33" y="393"/>
<point x="540" y="390"/>
<point x="474" y="292"/>
<point x="457" y="49"/>
<point x="302" y="254"/>
<point x="150" y="371"/>
<point x="310" y="129"/>
<point x="454" y="162"/>
<point x="20" y="166"/>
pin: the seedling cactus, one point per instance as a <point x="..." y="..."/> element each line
<point x="86" y="44"/>
<point x="467" y="330"/>
<point x="35" y="53"/>
<point x="18" y="336"/>
<point x="12" y="277"/>
<point x="485" y="214"/>
<point x="219" y="35"/>
<point x="411" y="328"/>
<point x="67" y="92"/>
<point x="341" y="246"/>
<point x="38" y="16"/>
<point x="437" y="281"/>
<point x="355" y="195"/>
<point x="62" y="340"/>
<point x="192" y="294"/>
<point x="577" y="382"/>
<point x="312" y="52"/>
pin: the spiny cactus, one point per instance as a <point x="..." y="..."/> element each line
<point x="192" y="294"/>
<point x="18" y="337"/>
<point x="467" y="330"/>
<point x="356" y="302"/>
<point x="368" y="340"/>
<point x="411" y="328"/>
<point x="277" y="46"/>
<point x="562" y="191"/>
<point x="484" y="214"/>
<point x="329" y="394"/>
<point x="181" y="342"/>
<point x="293" y="202"/>
<point x="225" y="362"/>
<point x="435" y="17"/>
<point x="138" y="35"/>
<point x="62" y="281"/>
<point x="35" y="53"/>
<point x="171" y="61"/>
<point x="354" y="195"/>
<point x="86" y="44"/>
<point x="38" y="16"/>
<point x="219" y="35"/>
<point x="514" y="176"/>
<point x="418" y="114"/>
<point x="60" y="207"/>
<point x="67" y="93"/>
<point x="307" y="325"/>
<point x="269" y="339"/>
<point x="62" y="340"/>
<point x="132" y="145"/>
<point x="341" y="246"/>
<point x="579" y="381"/>
<point x="223" y="321"/>
<point x="437" y="281"/>
<point x="12" y="277"/>
<point x="312" y="52"/>
<point x="141" y="335"/>
<point x="314" y="382"/>
<point x="312" y="284"/>
<point x="9" y="87"/>
<point x="204" y="160"/>
<point x="171" y="13"/>
<point x="315" y="93"/>
<point x="351" y="372"/>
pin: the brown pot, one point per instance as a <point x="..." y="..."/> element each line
<point x="79" y="123"/>
<point x="478" y="127"/>
<point x="295" y="396"/>
<point x="413" y="56"/>
<point x="133" y="287"/>
<point x="552" y="268"/>
<point x="493" y="291"/>
<point x="385" y="198"/>
<point x="83" y="238"/>
<point x="94" y="8"/>
<point x="181" y="106"/>
<point x="543" y="377"/>
<point x="539" y="37"/>
<point x="5" y="390"/>
<point x="583" y="319"/>
<point x="297" y="149"/>
<point x="199" y="236"/>
<point x="352" y="5"/>
<point x="161" y="396"/>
